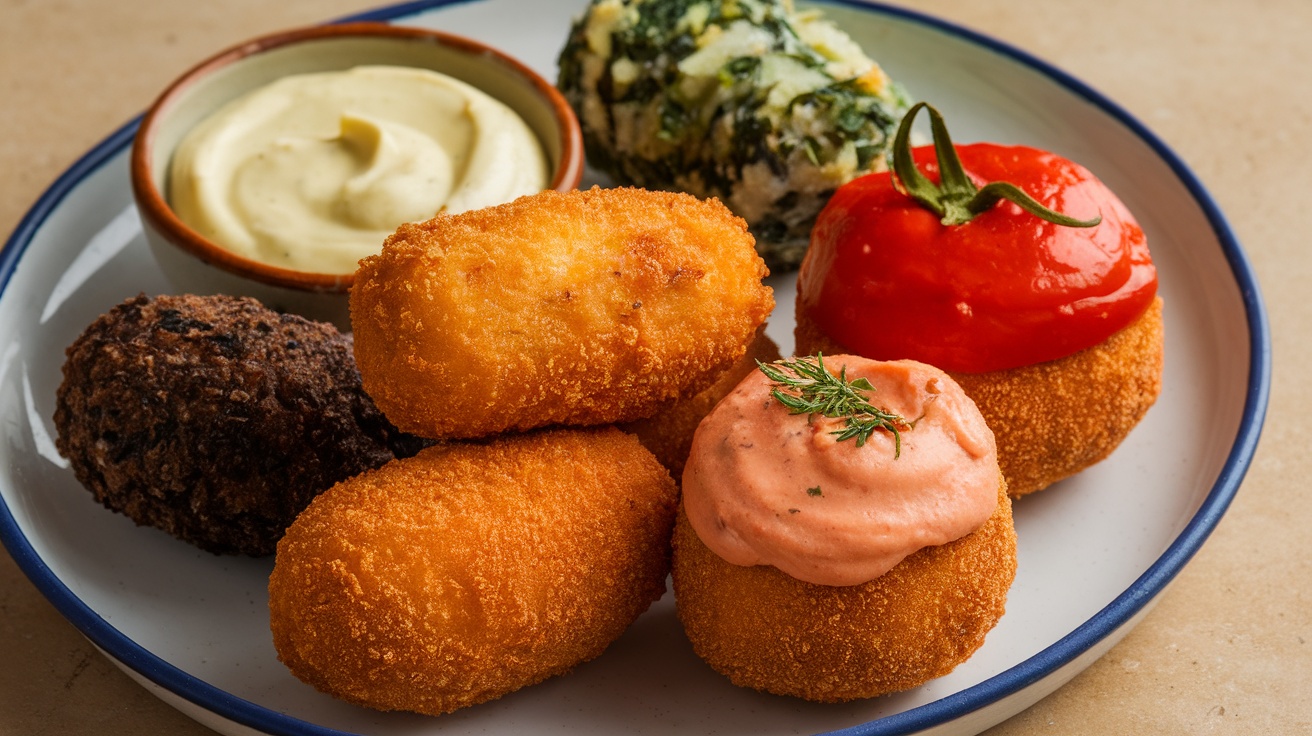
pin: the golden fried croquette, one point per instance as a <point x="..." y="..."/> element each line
<point x="580" y="308"/>
<point x="766" y="630"/>
<point x="668" y="434"/>
<point x="1054" y="419"/>
<point x="471" y="570"/>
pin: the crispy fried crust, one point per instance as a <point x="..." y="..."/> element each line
<point x="215" y="418"/>
<point x="472" y="570"/>
<point x="558" y="308"/>
<point x="668" y="434"/>
<point x="1054" y="419"/>
<point x="768" y="631"/>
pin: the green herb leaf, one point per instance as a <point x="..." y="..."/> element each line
<point x="740" y="69"/>
<point x="805" y="386"/>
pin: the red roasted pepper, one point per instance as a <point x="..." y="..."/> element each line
<point x="926" y="262"/>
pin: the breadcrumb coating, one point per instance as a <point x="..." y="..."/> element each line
<point x="1054" y="419"/>
<point x="578" y="308"/>
<point x="768" y="631"/>
<point x="472" y="569"/>
<point x="668" y="434"/>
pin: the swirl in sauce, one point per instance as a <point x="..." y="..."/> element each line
<point x="313" y="171"/>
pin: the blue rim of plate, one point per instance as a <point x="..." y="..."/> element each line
<point x="1009" y="682"/>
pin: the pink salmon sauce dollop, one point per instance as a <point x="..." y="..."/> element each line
<point x="766" y="487"/>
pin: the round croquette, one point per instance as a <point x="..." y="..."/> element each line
<point x="1056" y="418"/>
<point x="766" y="630"/>
<point x="216" y="419"/>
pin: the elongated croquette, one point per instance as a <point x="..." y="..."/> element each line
<point x="472" y="569"/>
<point x="579" y="308"/>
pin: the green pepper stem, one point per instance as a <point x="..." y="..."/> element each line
<point x="956" y="199"/>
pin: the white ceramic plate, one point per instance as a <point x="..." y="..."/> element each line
<point x="1094" y="551"/>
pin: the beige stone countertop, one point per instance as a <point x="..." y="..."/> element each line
<point x="1227" y="85"/>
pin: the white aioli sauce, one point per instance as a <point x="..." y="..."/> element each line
<point x="314" y="171"/>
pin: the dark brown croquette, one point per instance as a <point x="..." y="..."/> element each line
<point x="216" y="419"/>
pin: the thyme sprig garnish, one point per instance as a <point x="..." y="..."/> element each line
<point x="805" y="386"/>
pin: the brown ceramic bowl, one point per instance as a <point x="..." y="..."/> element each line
<point x="196" y="264"/>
